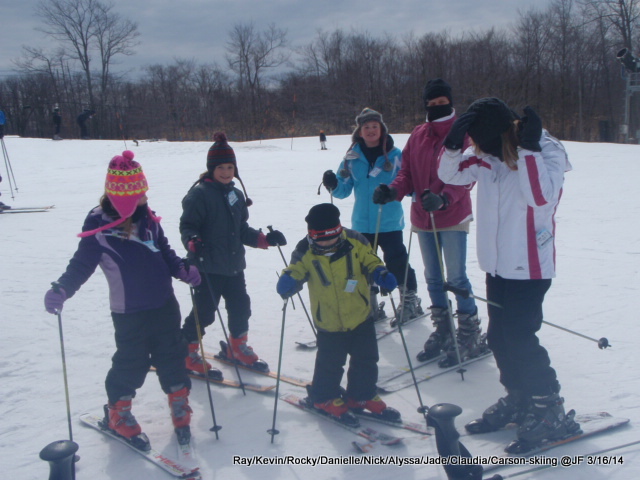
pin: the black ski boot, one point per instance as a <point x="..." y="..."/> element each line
<point x="440" y="339"/>
<point x="510" y="409"/>
<point x="471" y="342"/>
<point x="377" y="309"/>
<point x="545" y="421"/>
<point x="410" y="307"/>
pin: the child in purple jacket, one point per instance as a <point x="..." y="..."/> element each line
<point x="124" y="237"/>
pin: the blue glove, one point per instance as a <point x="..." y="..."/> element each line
<point x="287" y="286"/>
<point x="385" y="279"/>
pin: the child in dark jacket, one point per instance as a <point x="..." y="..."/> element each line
<point x="338" y="264"/>
<point x="214" y="229"/>
<point x="125" y="239"/>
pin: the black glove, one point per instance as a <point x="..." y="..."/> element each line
<point x="329" y="180"/>
<point x="455" y="138"/>
<point x="384" y="194"/>
<point x="530" y="130"/>
<point x="276" y="237"/>
<point x="432" y="202"/>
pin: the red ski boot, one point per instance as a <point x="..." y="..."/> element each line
<point x="194" y="362"/>
<point x="240" y="351"/>
<point x="180" y="409"/>
<point x="376" y="406"/>
<point x="121" y="420"/>
<point x="336" y="408"/>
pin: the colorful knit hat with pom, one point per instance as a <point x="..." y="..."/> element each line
<point x="219" y="153"/>
<point x="124" y="186"/>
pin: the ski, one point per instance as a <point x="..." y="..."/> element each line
<point x="19" y="209"/>
<point x="186" y="452"/>
<point x="590" y="424"/>
<point x="381" y="332"/>
<point x="398" y="372"/>
<point x="368" y="433"/>
<point x="411" y="426"/>
<point x="222" y="357"/>
<point x="24" y="210"/>
<point x="168" y="465"/>
<point x="406" y="381"/>
<point x="230" y="383"/>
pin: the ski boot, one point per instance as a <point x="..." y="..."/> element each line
<point x="120" y="420"/>
<point x="440" y="339"/>
<point x="510" y="409"/>
<point x="377" y="408"/>
<point x="545" y="421"/>
<point x="377" y="309"/>
<point x="242" y="353"/>
<point x="196" y="364"/>
<point x="471" y="342"/>
<point x="337" y="409"/>
<point x="181" y="414"/>
<point x="409" y="308"/>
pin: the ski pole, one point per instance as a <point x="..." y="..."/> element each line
<point x="452" y="324"/>
<point x="378" y="221"/>
<point x="464" y="293"/>
<point x="273" y="431"/>
<point x="7" y="163"/>
<point x="313" y="329"/>
<point x="56" y="288"/>
<point x="215" y="427"/>
<point x="422" y="409"/>
<point x="270" y="228"/>
<point x="224" y="329"/>
<point x="542" y="467"/>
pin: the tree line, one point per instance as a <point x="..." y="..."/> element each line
<point x="561" y="60"/>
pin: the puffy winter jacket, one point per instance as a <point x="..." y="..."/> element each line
<point x="138" y="268"/>
<point x="333" y="308"/>
<point x="515" y="208"/>
<point x="218" y="214"/>
<point x="362" y="179"/>
<point x="420" y="172"/>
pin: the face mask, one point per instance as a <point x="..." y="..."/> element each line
<point x="435" y="112"/>
<point x="141" y="212"/>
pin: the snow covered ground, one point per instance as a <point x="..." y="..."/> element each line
<point x="597" y="293"/>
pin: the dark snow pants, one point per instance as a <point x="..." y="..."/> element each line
<point x="395" y="256"/>
<point x="236" y="302"/>
<point x="143" y="339"/>
<point x="523" y="363"/>
<point x="333" y="347"/>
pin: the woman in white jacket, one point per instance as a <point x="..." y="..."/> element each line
<point x="520" y="170"/>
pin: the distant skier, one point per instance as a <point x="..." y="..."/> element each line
<point x="124" y="237"/>
<point x="373" y="159"/>
<point x="520" y="171"/>
<point x="214" y="229"/>
<point x="82" y="119"/>
<point x="339" y="265"/>
<point x="323" y="140"/>
<point x="57" y="122"/>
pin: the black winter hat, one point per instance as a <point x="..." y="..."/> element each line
<point x="219" y="153"/>
<point x="323" y="222"/>
<point x="493" y="118"/>
<point x="435" y="88"/>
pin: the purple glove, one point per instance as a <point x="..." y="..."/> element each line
<point x="54" y="299"/>
<point x="191" y="276"/>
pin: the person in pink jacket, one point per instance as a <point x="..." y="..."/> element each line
<point x="520" y="171"/>
<point x="450" y="206"/>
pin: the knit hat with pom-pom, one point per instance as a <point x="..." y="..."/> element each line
<point x="219" y="153"/>
<point x="124" y="186"/>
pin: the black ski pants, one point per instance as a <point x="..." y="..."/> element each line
<point x="333" y="347"/>
<point x="143" y="339"/>
<point x="524" y="364"/>
<point x="236" y="301"/>
<point x="395" y="256"/>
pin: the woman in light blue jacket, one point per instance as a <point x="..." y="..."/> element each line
<point x="373" y="160"/>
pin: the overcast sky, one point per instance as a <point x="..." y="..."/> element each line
<point x="198" y="29"/>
